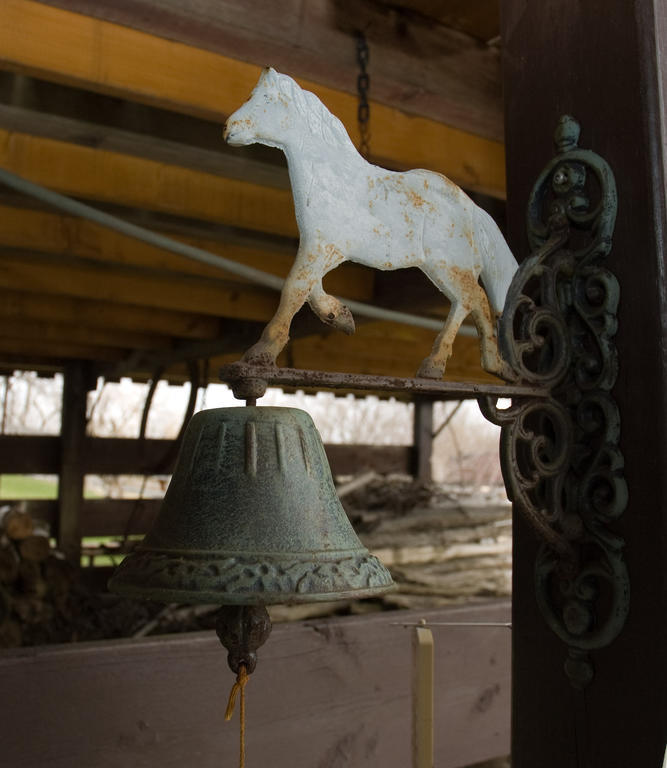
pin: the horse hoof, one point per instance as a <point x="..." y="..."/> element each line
<point x="343" y="321"/>
<point x="428" y="370"/>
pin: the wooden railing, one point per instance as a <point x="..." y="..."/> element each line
<point x="28" y="454"/>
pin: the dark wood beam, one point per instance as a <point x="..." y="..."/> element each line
<point x="422" y="441"/>
<point x="72" y="437"/>
<point x="32" y="454"/>
<point x="606" y="67"/>
<point x="415" y="62"/>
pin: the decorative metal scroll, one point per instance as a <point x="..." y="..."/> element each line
<point x="560" y="456"/>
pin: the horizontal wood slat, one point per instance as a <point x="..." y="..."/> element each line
<point x="325" y="693"/>
<point x="416" y="62"/>
<point x="32" y="454"/>
<point x="85" y="52"/>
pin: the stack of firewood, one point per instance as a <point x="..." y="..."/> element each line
<point x="35" y="580"/>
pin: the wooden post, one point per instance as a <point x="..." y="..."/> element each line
<point x="72" y="436"/>
<point x="422" y="698"/>
<point x="600" y="63"/>
<point x="422" y="439"/>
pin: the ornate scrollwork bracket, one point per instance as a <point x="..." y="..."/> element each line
<point x="560" y="457"/>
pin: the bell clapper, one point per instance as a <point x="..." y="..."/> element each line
<point x="242" y="629"/>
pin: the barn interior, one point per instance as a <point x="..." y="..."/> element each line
<point x="120" y="107"/>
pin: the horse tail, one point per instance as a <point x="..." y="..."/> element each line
<point x="498" y="263"/>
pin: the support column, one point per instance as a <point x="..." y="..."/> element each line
<point x="604" y="65"/>
<point x="72" y="436"/>
<point x="422" y="440"/>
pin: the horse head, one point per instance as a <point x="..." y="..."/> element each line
<point x="267" y="116"/>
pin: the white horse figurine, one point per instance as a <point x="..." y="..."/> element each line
<point x="350" y="210"/>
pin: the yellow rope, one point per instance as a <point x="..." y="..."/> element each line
<point x="239" y="687"/>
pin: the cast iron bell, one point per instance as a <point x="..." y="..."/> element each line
<point x="251" y="517"/>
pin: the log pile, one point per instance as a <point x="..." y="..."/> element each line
<point x="35" y="581"/>
<point x="442" y="544"/>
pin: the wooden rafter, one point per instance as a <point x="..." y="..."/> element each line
<point x="418" y="48"/>
<point x="53" y="233"/>
<point x="76" y="49"/>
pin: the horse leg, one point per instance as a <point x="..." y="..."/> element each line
<point x="433" y="367"/>
<point x="485" y="322"/>
<point x="330" y="310"/>
<point x="298" y="285"/>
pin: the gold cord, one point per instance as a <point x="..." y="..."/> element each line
<point x="239" y="687"/>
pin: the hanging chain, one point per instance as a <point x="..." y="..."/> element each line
<point x="363" y="84"/>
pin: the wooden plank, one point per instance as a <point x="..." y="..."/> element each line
<point x="40" y="108"/>
<point x="68" y="310"/>
<point x="416" y="58"/>
<point x="99" y="175"/>
<point x="75" y="49"/>
<point x="29" y="454"/>
<point x="35" y="352"/>
<point x="72" y="437"/>
<point x="126" y="285"/>
<point x="480" y="19"/>
<point x="563" y="56"/>
<point x="49" y="331"/>
<point x="386" y="349"/>
<point x="26" y="454"/>
<point x="118" y="517"/>
<point x="48" y="232"/>
<point x="343" y="682"/>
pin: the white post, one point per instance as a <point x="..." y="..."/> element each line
<point x="422" y="698"/>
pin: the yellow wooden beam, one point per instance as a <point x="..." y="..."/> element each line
<point x="134" y="181"/>
<point x="75" y="49"/>
<point x="137" y="287"/>
<point x="68" y="310"/>
<point x="387" y="349"/>
<point x="62" y="333"/>
<point x="35" y="351"/>
<point x="53" y="233"/>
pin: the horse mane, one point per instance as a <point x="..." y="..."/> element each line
<point x="320" y="121"/>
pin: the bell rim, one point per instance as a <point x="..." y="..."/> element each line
<point x="247" y="580"/>
<point x="163" y="595"/>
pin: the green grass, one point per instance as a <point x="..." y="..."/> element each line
<point x="27" y="487"/>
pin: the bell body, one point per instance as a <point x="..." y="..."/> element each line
<point x="251" y="516"/>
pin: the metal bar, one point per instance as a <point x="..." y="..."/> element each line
<point x="236" y="373"/>
<point x="494" y="624"/>
<point x="422" y="698"/>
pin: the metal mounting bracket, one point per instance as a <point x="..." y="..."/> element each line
<point x="560" y="456"/>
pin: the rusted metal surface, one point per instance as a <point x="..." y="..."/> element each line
<point x="350" y="210"/>
<point x="251" y="517"/>
<point x="242" y="629"/>
<point x="241" y="375"/>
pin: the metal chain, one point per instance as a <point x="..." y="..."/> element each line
<point x="363" y="84"/>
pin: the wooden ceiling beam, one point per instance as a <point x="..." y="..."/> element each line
<point x="54" y="352"/>
<point x="54" y="233"/>
<point x="424" y="63"/>
<point x="99" y="314"/>
<point x="386" y="349"/>
<point x="109" y="176"/>
<point x="78" y="50"/>
<point x="23" y="271"/>
<point x="40" y="108"/>
<point x="77" y="334"/>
